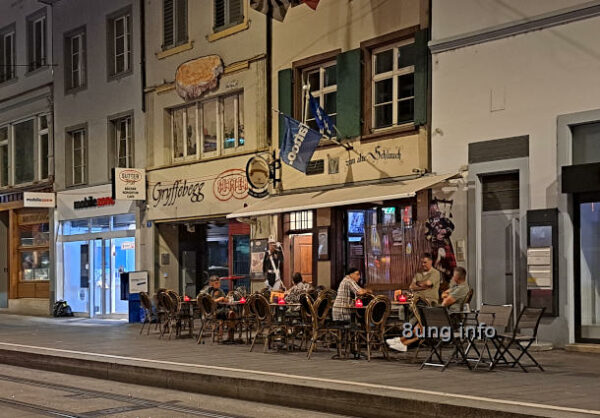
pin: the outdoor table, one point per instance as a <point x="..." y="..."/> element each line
<point x="186" y="307"/>
<point x="357" y="315"/>
<point x="237" y="307"/>
<point x="405" y="306"/>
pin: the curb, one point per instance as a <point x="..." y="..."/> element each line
<point x="333" y="398"/>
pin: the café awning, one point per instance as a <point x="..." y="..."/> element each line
<point x="342" y="196"/>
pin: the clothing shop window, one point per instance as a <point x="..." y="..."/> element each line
<point x="175" y="30"/>
<point x="75" y="60"/>
<point x="122" y="141"/>
<point x="301" y="220"/>
<point x="215" y="126"/>
<point x="323" y="87"/>
<point x="393" y="84"/>
<point x="34" y="241"/>
<point x="7" y="54"/>
<point x="37" y="40"/>
<point x="119" y="45"/>
<point x="227" y="13"/>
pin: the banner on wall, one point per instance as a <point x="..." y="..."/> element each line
<point x="439" y="229"/>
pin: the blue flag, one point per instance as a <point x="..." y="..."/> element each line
<point x="299" y="144"/>
<point x="322" y="119"/>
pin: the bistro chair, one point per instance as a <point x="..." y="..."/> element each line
<point x="169" y="305"/>
<point x="321" y="326"/>
<point x="267" y="327"/>
<point x="436" y="322"/>
<point x="208" y="316"/>
<point x="522" y="337"/>
<point x="148" y="312"/>
<point x="376" y="316"/>
<point x="496" y="316"/>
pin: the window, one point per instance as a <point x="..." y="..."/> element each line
<point x="4" y="156"/>
<point x="77" y="157"/>
<point x="123" y="142"/>
<point x="36" y="40"/>
<point x="228" y="13"/>
<point x="301" y="220"/>
<point x="119" y="45"/>
<point x="23" y="143"/>
<point x="75" y="60"/>
<point x="7" y="54"/>
<point x="33" y="246"/>
<point x="44" y="147"/>
<point x="174" y="23"/>
<point x="215" y="126"/>
<point x="323" y="87"/>
<point x="393" y="85"/>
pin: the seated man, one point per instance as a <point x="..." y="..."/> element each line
<point x="214" y="289"/>
<point x="223" y="313"/>
<point x="455" y="296"/>
<point x="426" y="283"/>
<point x="347" y="290"/>
<point x="292" y="295"/>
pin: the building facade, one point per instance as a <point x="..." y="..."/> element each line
<point x="99" y="125"/>
<point x="206" y="98"/>
<point x="364" y="200"/>
<point x="515" y="102"/>
<point x="26" y="154"/>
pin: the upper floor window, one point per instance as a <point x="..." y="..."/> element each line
<point x="43" y="136"/>
<point x="393" y="84"/>
<point x="174" y="23"/>
<point x="123" y="142"/>
<point x="214" y="126"/>
<point x="4" y="156"/>
<point x="36" y="40"/>
<point x="323" y="86"/>
<point x="75" y="60"/>
<point x="76" y="157"/>
<point x="119" y="45"/>
<point x="7" y="54"/>
<point x="227" y="13"/>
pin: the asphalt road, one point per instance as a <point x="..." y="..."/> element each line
<point x="34" y="393"/>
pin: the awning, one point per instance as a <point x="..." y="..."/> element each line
<point x="343" y="196"/>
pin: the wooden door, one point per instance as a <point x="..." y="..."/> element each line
<point x="302" y="256"/>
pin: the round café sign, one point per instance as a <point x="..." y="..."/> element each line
<point x="258" y="173"/>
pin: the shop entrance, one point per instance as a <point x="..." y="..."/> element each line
<point x="4" y="259"/>
<point x="587" y="270"/>
<point x="302" y="255"/>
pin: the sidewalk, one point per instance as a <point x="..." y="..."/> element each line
<point x="115" y="350"/>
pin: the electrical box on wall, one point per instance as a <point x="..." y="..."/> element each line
<point x="539" y="268"/>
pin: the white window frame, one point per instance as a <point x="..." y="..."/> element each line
<point x="227" y="23"/>
<point x="8" y="55"/>
<point x="199" y="108"/>
<point x="393" y="74"/>
<point x="76" y="182"/>
<point x="320" y="94"/>
<point x="126" y="39"/>
<point x="80" y="61"/>
<point x="40" y="133"/>
<point x="117" y="124"/>
<point x="6" y="143"/>
<point x="42" y="59"/>
<point x="177" y="5"/>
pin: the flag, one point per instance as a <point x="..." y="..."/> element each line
<point x="299" y="144"/>
<point x="278" y="8"/>
<point x="311" y="3"/>
<point x="322" y="119"/>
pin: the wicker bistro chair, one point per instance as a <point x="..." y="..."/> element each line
<point x="208" y="316"/>
<point x="376" y="315"/>
<point x="522" y="337"/>
<point x="169" y="308"/>
<point x="149" y="315"/>
<point x="267" y="327"/>
<point x="321" y="326"/>
<point x="435" y="320"/>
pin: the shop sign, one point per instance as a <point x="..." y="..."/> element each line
<point x="33" y="218"/>
<point x="39" y="200"/>
<point x="261" y="170"/>
<point x="138" y="281"/>
<point x="231" y="184"/>
<point x="378" y="154"/>
<point x="129" y="245"/>
<point x="129" y="184"/>
<point x="168" y="194"/>
<point x="92" y="202"/>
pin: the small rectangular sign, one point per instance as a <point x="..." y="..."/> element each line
<point x="39" y="200"/>
<point x="138" y="281"/>
<point x="129" y="245"/>
<point x="129" y="184"/>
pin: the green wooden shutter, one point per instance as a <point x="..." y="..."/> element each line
<point x="285" y="99"/>
<point x="421" y="76"/>
<point x="348" y="70"/>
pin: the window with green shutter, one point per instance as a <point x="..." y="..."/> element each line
<point x="348" y="67"/>
<point x="285" y="98"/>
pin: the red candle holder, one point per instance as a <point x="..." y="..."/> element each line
<point x="186" y="298"/>
<point x="358" y="303"/>
<point x="243" y="300"/>
<point x="281" y="301"/>
<point x="401" y="298"/>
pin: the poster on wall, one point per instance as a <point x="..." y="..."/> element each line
<point x="439" y="229"/>
<point x="258" y="248"/>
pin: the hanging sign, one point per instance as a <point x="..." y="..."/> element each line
<point x="261" y="170"/>
<point x="39" y="200"/>
<point x="195" y="77"/>
<point x="129" y="184"/>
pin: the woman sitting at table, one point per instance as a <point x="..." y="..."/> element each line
<point x="292" y="295"/>
<point x="348" y="290"/>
